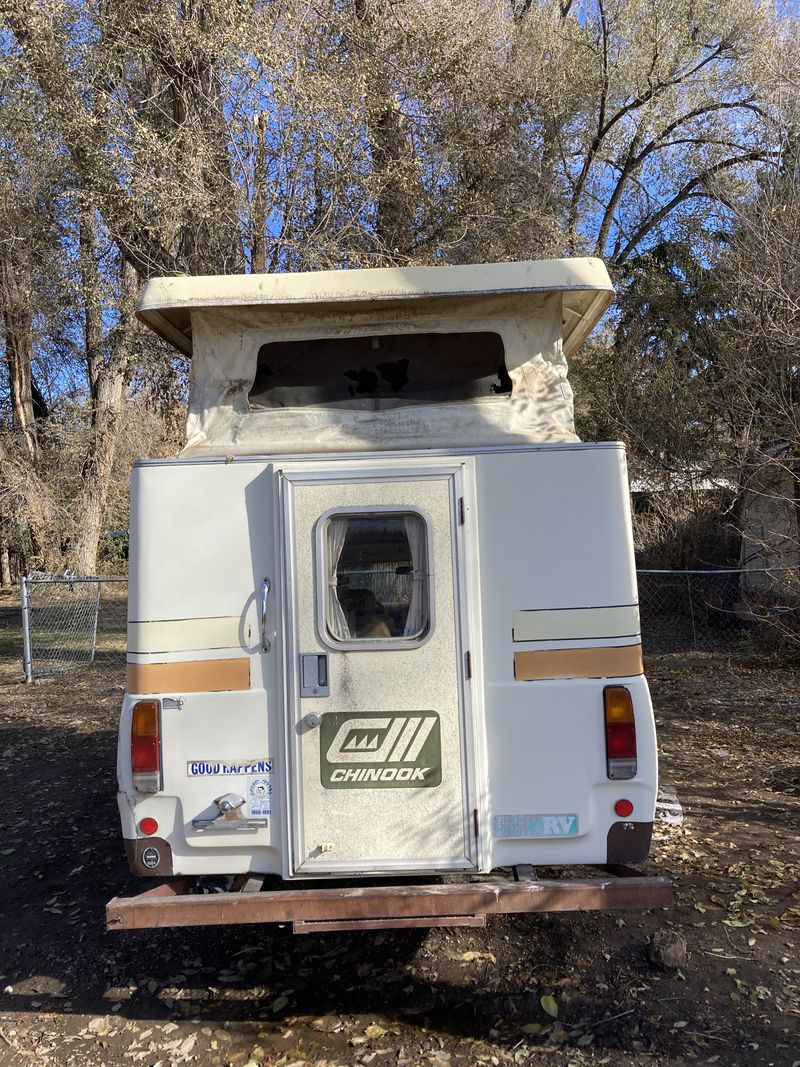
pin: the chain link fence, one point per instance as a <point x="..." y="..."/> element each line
<point x="691" y="611"/>
<point x="68" y="621"/>
<point x="722" y="611"/>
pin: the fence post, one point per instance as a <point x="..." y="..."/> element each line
<point x="691" y="609"/>
<point x="26" y="629"/>
<point x="96" y="618"/>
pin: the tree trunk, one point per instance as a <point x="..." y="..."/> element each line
<point x="93" y="335"/>
<point x="15" y="296"/>
<point x="5" y="558"/>
<point x="26" y="495"/>
<point x="109" y="377"/>
<point x="389" y="148"/>
<point x="210" y="239"/>
<point x="91" y="503"/>
<point x="29" y="499"/>
<point x="258" y="205"/>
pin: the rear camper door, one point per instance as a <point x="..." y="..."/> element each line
<point x="378" y="745"/>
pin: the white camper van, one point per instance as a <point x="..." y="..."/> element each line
<point x="383" y="615"/>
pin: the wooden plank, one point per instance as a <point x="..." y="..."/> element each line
<point x="389" y="902"/>
<point x="301" y="926"/>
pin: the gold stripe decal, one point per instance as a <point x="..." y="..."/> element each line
<point x="189" y="676"/>
<point x="619" y="662"/>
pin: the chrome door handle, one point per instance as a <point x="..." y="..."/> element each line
<point x="266" y="585"/>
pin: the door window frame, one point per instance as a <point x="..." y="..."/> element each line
<point x="370" y="644"/>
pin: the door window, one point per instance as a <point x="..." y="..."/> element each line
<point x="375" y="577"/>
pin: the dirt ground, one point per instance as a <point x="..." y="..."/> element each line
<point x="566" y="990"/>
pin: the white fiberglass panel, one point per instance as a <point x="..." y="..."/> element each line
<point x="556" y="573"/>
<point x="201" y="541"/>
<point x="547" y="758"/>
<point x="555" y="532"/>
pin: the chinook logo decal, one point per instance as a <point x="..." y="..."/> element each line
<point x="380" y="750"/>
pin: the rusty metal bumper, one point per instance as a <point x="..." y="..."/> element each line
<point x="351" y="907"/>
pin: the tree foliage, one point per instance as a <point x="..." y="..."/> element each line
<point x="207" y="136"/>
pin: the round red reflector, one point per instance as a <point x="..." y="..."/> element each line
<point x="148" y="825"/>
<point x="623" y="808"/>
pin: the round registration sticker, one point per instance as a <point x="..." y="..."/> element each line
<point x="259" y="797"/>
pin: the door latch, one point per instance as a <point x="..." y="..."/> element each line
<point x="314" y="680"/>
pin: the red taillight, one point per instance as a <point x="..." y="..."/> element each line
<point x="144" y="753"/>
<point x="621" y="740"/>
<point x="620" y="733"/>
<point x="145" y="747"/>
<point x="148" y="825"/>
<point x="623" y="808"/>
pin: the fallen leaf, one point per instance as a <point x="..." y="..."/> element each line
<point x="101" y="1026"/>
<point x="550" y="1005"/>
<point x="327" y="1024"/>
<point x="468" y="957"/>
<point x="185" y="1048"/>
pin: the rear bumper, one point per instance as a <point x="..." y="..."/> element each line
<point x="627" y="842"/>
<point x="370" y="907"/>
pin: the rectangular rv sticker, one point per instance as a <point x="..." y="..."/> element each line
<point x="380" y="750"/>
<point x="211" y="768"/>
<point x="535" y="825"/>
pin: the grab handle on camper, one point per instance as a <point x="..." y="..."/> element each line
<point x="266" y="585"/>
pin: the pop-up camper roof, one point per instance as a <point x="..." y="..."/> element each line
<point x="384" y="358"/>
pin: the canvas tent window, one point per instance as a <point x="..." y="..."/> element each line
<point x="380" y="371"/>
<point x="375" y="577"/>
<point x="487" y="348"/>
